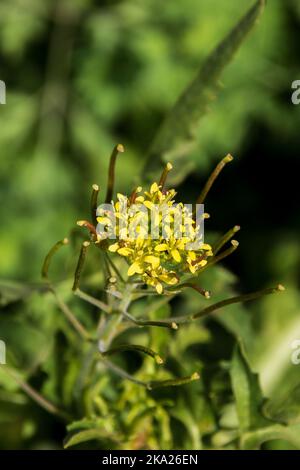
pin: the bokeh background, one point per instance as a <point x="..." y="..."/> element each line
<point x="82" y="75"/>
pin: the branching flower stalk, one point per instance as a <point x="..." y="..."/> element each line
<point x="138" y="265"/>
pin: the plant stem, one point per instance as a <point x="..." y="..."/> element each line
<point x="49" y="256"/>
<point x="223" y="303"/>
<point x="114" y="267"/>
<point x="122" y="373"/>
<point x="32" y="393"/>
<point x="111" y="172"/>
<point x="94" y="203"/>
<point x="92" y="300"/>
<point x="213" y="177"/>
<point x="225" y="238"/>
<point x="70" y="316"/>
<point x="134" y="347"/>
<point x="80" y="264"/>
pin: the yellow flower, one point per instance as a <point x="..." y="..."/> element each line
<point x="162" y="259"/>
<point x="158" y="238"/>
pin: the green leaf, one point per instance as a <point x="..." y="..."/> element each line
<point x="287" y="410"/>
<point x="272" y="354"/>
<point x="176" y="136"/>
<point x="255" y="428"/>
<point x="247" y="392"/>
<point x="85" y="436"/>
<point x="253" y="440"/>
<point x="87" y="430"/>
<point x="184" y="415"/>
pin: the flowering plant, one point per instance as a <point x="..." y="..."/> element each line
<point x="161" y="264"/>
<point x="116" y="357"/>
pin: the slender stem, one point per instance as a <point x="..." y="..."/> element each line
<point x="173" y="382"/>
<point x="204" y="292"/>
<point x="111" y="172"/>
<point x="70" y="316"/>
<point x="221" y="256"/>
<point x="85" y="372"/>
<point x="61" y="304"/>
<point x="152" y="384"/>
<point x="122" y="373"/>
<point x="49" y="256"/>
<point x="32" y="393"/>
<point x="134" y="347"/>
<point x="164" y="175"/>
<point x="94" y="203"/>
<point x="92" y="300"/>
<point x="90" y="227"/>
<point x="160" y="323"/>
<point x="108" y="331"/>
<point x="213" y="177"/>
<point x="223" y="303"/>
<point x="114" y="267"/>
<point x="80" y="265"/>
<point x="106" y="264"/>
<point x="225" y="238"/>
<point x="134" y="194"/>
<point x="237" y="299"/>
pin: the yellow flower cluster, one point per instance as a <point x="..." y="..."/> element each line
<point x="159" y="255"/>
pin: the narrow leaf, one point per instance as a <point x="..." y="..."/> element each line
<point x="176" y="136"/>
<point x="247" y="392"/>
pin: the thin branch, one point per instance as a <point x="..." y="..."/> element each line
<point x="34" y="395"/>
<point x="152" y="384"/>
<point x="159" y="323"/>
<point x="114" y="267"/>
<point x="94" y="203"/>
<point x="213" y="177"/>
<point x="225" y="238"/>
<point x="49" y="256"/>
<point x="111" y="172"/>
<point x="223" y="303"/>
<point x="134" y="347"/>
<point x="122" y="373"/>
<point x="237" y="299"/>
<point x="92" y="300"/>
<point x="80" y="265"/>
<point x="61" y="304"/>
<point x="173" y="382"/>
<point x="164" y="175"/>
<point x="221" y="256"/>
<point x="205" y="293"/>
<point x="70" y="316"/>
<point x="90" y="227"/>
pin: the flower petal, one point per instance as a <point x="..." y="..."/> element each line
<point x="176" y="255"/>
<point x="124" y="251"/>
<point x="154" y="188"/>
<point x="135" y="268"/>
<point x="159" y="288"/>
<point x="113" y="248"/>
<point x="161" y="247"/>
<point x="153" y="260"/>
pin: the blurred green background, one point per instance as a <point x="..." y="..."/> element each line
<point x="82" y="75"/>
